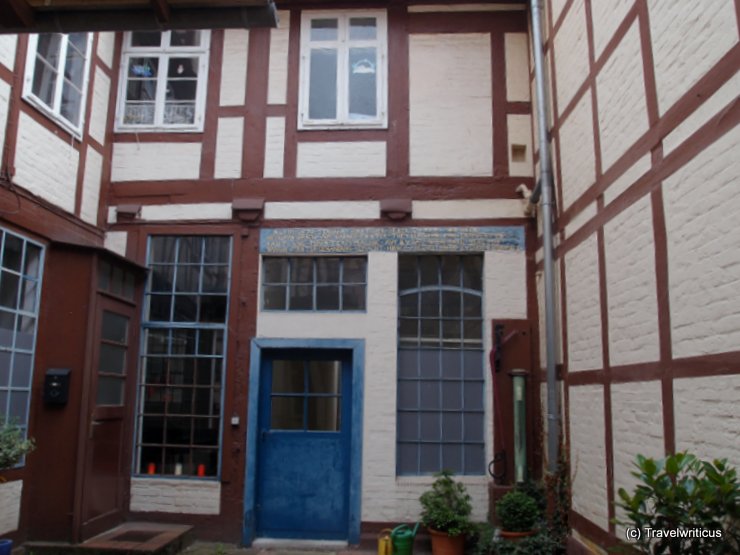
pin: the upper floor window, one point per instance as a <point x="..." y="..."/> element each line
<point x="163" y="81"/>
<point x="56" y="76"/>
<point x="343" y="70"/>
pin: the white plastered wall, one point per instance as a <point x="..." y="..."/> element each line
<point x="201" y="497"/>
<point x="7" y="50"/>
<point x="10" y="505"/>
<point x="155" y="161"/>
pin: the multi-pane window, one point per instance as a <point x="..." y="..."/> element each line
<point x="20" y="286"/>
<point x="163" y="80"/>
<point x="56" y="76"/>
<point x="112" y="357"/>
<point x="440" y="365"/>
<point x="321" y="283"/>
<point x="183" y="356"/>
<point x="343" y="69"/>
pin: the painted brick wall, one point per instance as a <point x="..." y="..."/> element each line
<point x="341" y="159"/>
<point x="10" y="505"/>
<point x="175" y="496"/>
<point x="577" y="151"/>
<point x="99" y="113"/>
<point x="155" y="161"/>
<point x="277" y="83"/>
<point x="234" y="67"/>
<point x="631" y="288"/>
<point x="571" y="54"/>
<point x="91" y="186"/>
<point x="274" y="147"/>
<point x="229" y="141"/>
<point x="4" y="98"/>
<point x="7" y="50"/>
<point x="701" y="207"/>
<point x="606" y="17"/>
<point x="106" y="46"/>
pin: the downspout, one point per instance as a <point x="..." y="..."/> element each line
<point x="544" y="189"/>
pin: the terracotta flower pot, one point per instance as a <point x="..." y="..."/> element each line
<point x="516" y="536"/>
<point x="444" y="544"/>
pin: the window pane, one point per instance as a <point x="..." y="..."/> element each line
<point x="363" y="103"/>
<point x="44" y="82"/>
<point x="324" y="414"/>
<point x="182" y="81"/>
<point x="4" y="371"/>
<point x="274" y="297"/>
<point x="429" y="458"/>
<point x="115" y="327"/>
<point x="110" y="391"/>
<point x="71" y="105"/>
<point x="354" y="270"/>
<point x="213" y="308"/>
<point x="7" y="327"/>
<point x="28" y="295"/>
<point x="474" y="459"/>
<point x="21" y="370"/>
<point x="301" y="297"/>
<point x="186" y="308"/>
<point x="9" y="284"/>
<point x="324" y="29"/>
<point x="179" y="430"/>
<point x="324" y="376"/>
<point x="362" y="28"/>
<point x="162" y="249"/>
<point x="451" y="271"/>
<point x="452" y="398"/>
<point x="408" y="455"/>
<point x="473" y="395"/>
<point x="473" y="427"/>
<point x="301" y="270"/>
<point x="286" y="413"/>
<point x="353" y="297"/>
<point x="74" y="67"/>
<point x="275" y="270"/>
<point x="430" y="426"/>
<point x="210" y="342"/>
<point x="191" y="250"/>
<point x="430" y="396"/>
<point x="207" y="401"/>
<point x="33" y="260"/>
<point x="160" y="307"/>
<point x="216" y="250"/>
<point x="288" y="376"/>
<point x="183" y="342"/>
<point x="146" y="38"/>
<point x="408" y="426"/>
<point x="452" y="458"/>
<point x="451" y="304"/>
<point x="452" y="424"/>
<point x="409" y="305"/>
<point x="13" y="252"/>
<point x="327" y="270"/>
<point x="327" y="297"/>
<point x="205" y="431"/>
<point x="215" y="279"/>
<point x="24" y="333"/>
<point x="112" y="359"/>
<point x="185" y="38"/>
<point x="322" y="95"/>
<point x="188" y="278"/>
<point x="408" y="361"/>
<point x="162" y="278"/>
<point x="180" y="400"/>
<point x="18" y="406"/>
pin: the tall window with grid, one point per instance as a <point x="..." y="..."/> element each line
<point x="20" y="286"/>
<point x="440" y="365"/>
<point x="180" y="384"/>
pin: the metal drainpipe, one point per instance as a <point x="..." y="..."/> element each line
<point x="545" y="182"/>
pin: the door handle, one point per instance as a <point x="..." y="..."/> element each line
<point x="93" y="424"/>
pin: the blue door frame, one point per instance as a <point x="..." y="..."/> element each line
<point x="356" y="349"/>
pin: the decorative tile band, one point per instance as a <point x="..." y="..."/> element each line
<point x="353" y="240"/>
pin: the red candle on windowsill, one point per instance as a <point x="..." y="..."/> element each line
<point x="201" y="470"/>
<point x="151" y="468"/>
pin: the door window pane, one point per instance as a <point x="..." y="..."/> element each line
<point x="286" y="413"/>
<point x="322" y="96"/>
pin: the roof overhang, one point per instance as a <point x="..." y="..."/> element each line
<point x="68" y="16"/>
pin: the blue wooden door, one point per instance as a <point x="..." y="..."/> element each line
<point x="304" y="445"/>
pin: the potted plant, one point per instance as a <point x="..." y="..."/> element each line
<point x="446" y="512"/>
<point x="13" y="447"/>
<point x="517" y="513"/>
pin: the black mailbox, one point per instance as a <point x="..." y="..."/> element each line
<point x="56" y="386"/>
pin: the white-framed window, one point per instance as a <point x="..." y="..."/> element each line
<point x="163" y="81"/>
<point x="343" y="70"/>
<point x="57" y="75"/>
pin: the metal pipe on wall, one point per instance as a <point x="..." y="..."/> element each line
<point x="545" y="186"/>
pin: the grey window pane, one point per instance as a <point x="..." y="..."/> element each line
<point x="428" y="270"/>
<point x="4" y="371"/>
<point x="180" y="371"/>
<point x="48" y="47"/>
<point x="429" y="458"/>
<point x="408" y="360"/>
<point x="452" y="426"/>
<point x="180" y="400"/>
<point x="274" y="297"/>
<point x="207" y="458"/>
<point x="208" y="371"/>
<point x="146" y="38"/>
<point x="154" y="370"/>
<point x="430" y="396"/>
<point x="187" y="278"/>
<point x="157" y="341"/>
<point x="154" y="399"/>
<point x="474" y="459"/>
<point x="324" y="414"/>
<point x="362" y="28"/>
<point x="473" y="363"/>
<point x="207" y="401"/>
<point x="451" y="364"/>
<point x="288" y="376"/>
<point x="143" y="67"/>
<point x="3" y="402"/>
<point x="115" y="327"/>
<point x="409" y="304"/>
<point x="430" y="330"/>
<point x="430" y="304"/>
<point x="301" y="297"/>
<point x="205" y="431"/>
<point x="473" y="395"/>
<point x="33" y="260"/>
<point x="408" y="426"/>
<point x="324" y="29"/>
<point x="151" y="458"/>
<point x="139" y="113"/>
<point x="452" y="396"/>
<point x="408" y="456"/>
<point x="429" y="364"/>
<point x="363" y="101"/>
<point x="353" y="297"/>
<point x="408" y="395"/>
<point x="182" y="78"/>
<point x="191" y="249"/>
<point x="451" y="270"/>
<point x="452" y="458"/>
<point x="44" y="82"/>
<point x="354" y="270"/>
<point x="473" y="272"/>
<point x="301" y="270"/>
<point x="471" y="305"/>
<point x="162" y="249"/>
<point x="162" y="278"/>
<point x="275" y="270"/>
<point x="78" y="41"/>
<point x="451" y="331"/>
<point x="451" y="304"/>
<point x="112" y="359"/>
<point x="9" y="284"/>
<point x="215" y="279"/>
<point x="18" y="407"/>
<point x="71" y="104"/>
<point x="141" y="91"/>
<point x="186" y="308"/>
<point x="431" y="426"/>
<point x="216" y="249"/>
<point x="185" y="38"/>
<point x="13" y="252"/>
<point x="210" y="342"/>
<point x="408" y="330"/>
<point x="24" y="333"/>
<point x="7" y="327"/>
<point x="152" y="428"/>
<point x="74" y="66"/>
<point x="21" y="370"/>
<point x="160" y="307"/>
<point x="473" y="427"/>
<point x="110" y="391"/>
<point x="322" y="94"/>
<point x="327" y="270"/>
<point x="473" y="331"/>
<point x="327" y="297"/>
<point x="407" y="276"/>
<point x="179" y="430"/>
<point x="324" y="376"/>
<point x="286" y="413"/>
<point x="183" y="342"/>
<point x="213" y="308"/>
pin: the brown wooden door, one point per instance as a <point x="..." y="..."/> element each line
<point x="107" y="449"/>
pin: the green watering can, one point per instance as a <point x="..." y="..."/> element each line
<point x="403" y="539"/>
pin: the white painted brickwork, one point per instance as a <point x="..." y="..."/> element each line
<point x="688" y="39"/>
<point x="520" y="134"/>
<point x="467" y="209"/>
<point x="234" y="67"/>
<point x="116" y="241"/>
<point x="450" y="126"/>
<point x="277" y="83"/>
<point x="155" y="161"/>
<point x="45" y="164"/>
<point x="7" y="50"/>
<point x="702" y="207"/>
<point x="4" y="100"/>
<point x="274" y="147"/>
<point x="588" y="453"/>
<point x="106" y="46"/>
<point x="175" y="496"/>
<point x="577" y="163"/>
<point x="505" y="290"/>
<point x="516" y="48"/>
<point x="229" y="140"/>
<point x="100" y="101"/>
<point x="10" y="505"/>
<point x="571" y="54"/>
<point x="606" y="17"/>
<point x="631" y="287"/>
<point x="557" y="9"/>
<point x="91" y="186"/>
<point x="620" y="90"/>
<point x="330" y="210"/>
<point x="637" y="428"/>
<point x="583" y="308"/>
<point x="707" y="418"/>
<point x="341" y="159"/>
<point x="580" y="219"/>
<point x="184" y="212"/>
<point x="623" y="182"/>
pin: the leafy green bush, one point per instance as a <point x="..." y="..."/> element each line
<point x="517" y="512"/>
<point x="446" y="507"/>
<point x="542" y="543"/>
<point x="13" y="446"/>
<point x="683" y="493"/>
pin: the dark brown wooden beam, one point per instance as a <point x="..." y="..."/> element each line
<point x="161" y="10"/>
<point x="16" y="13"/>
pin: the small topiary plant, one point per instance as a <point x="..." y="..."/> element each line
<point x="517" y="512"/>
<point x="13" y="446"/>
<point x="446" y="507"/>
